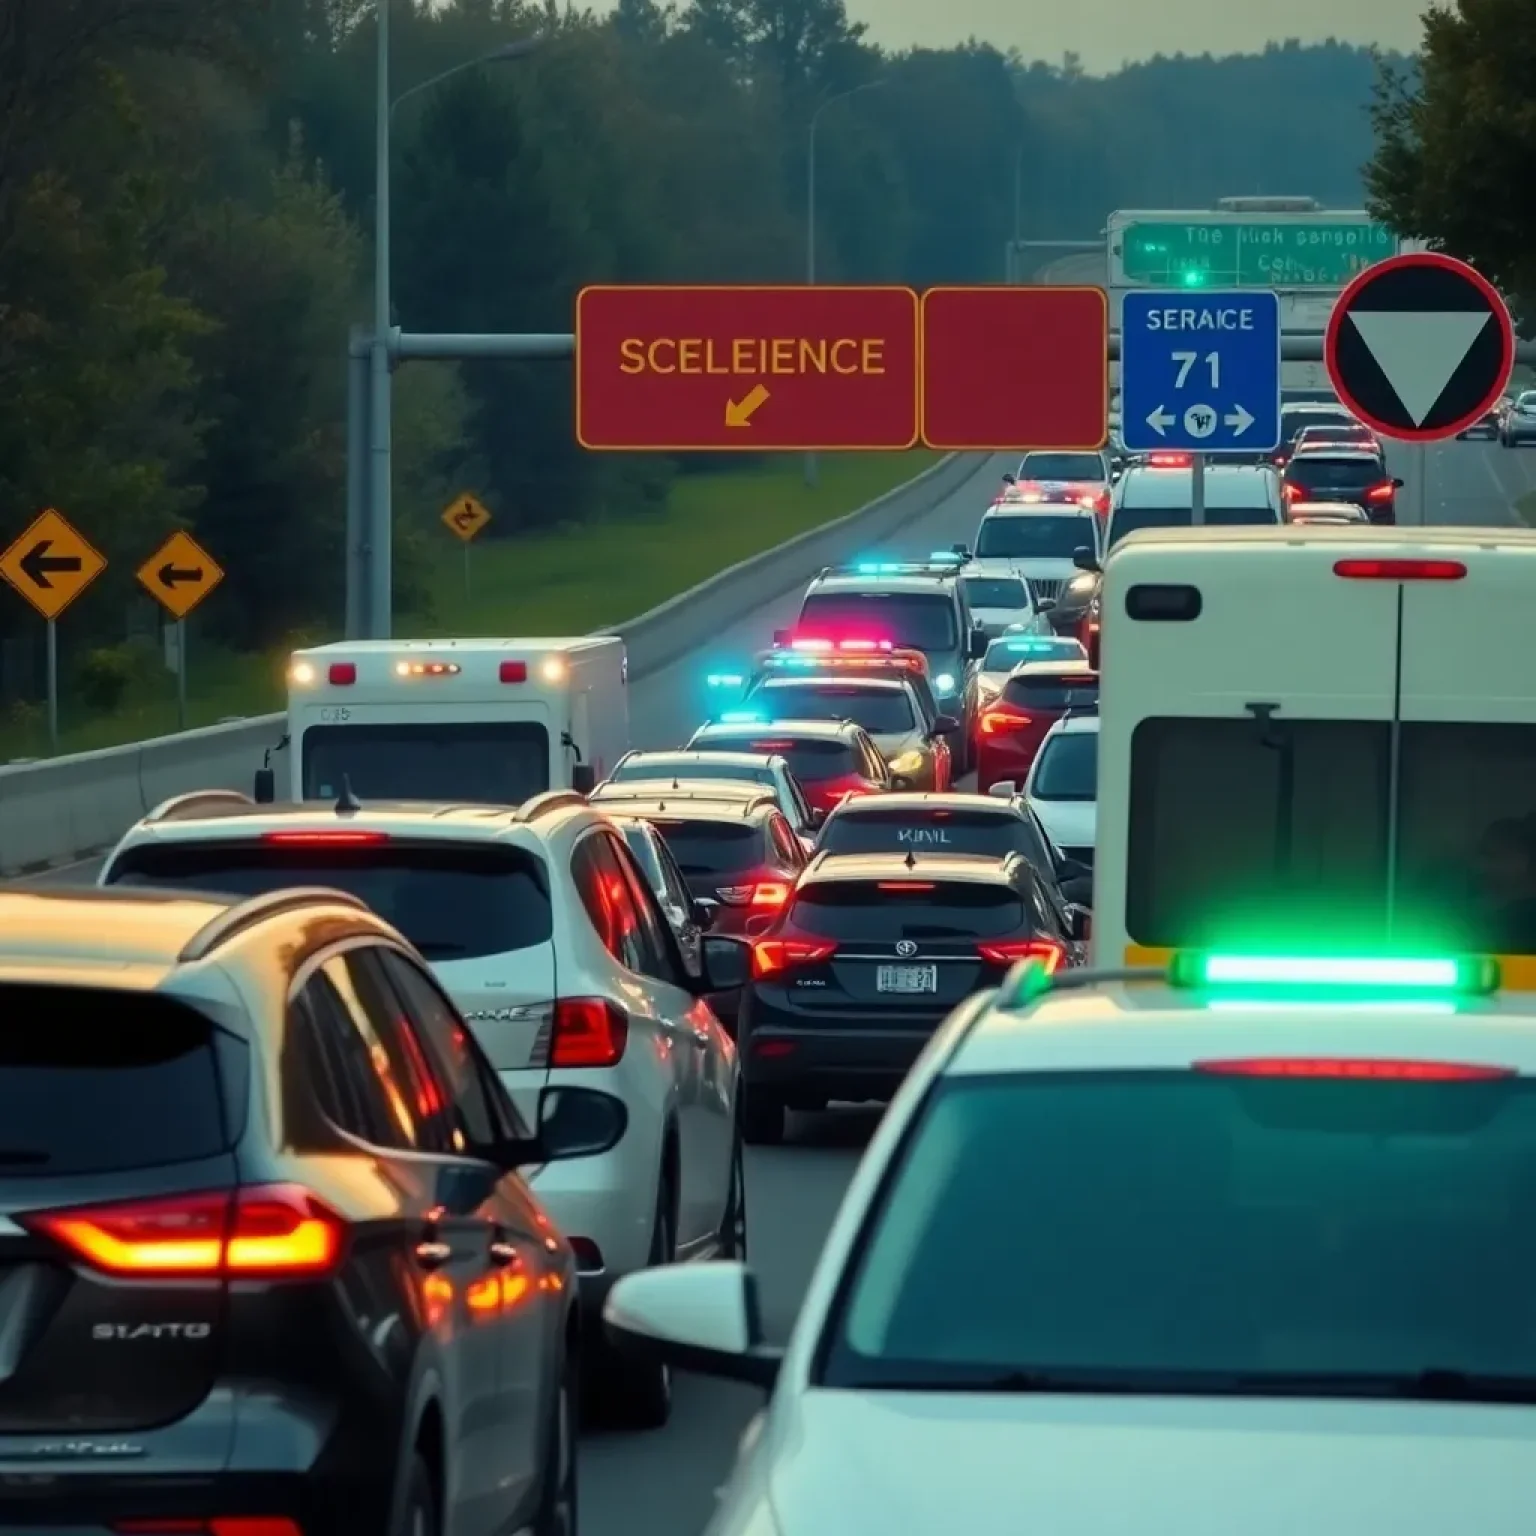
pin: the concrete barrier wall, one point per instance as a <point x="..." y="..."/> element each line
<point x="69" y="807"/>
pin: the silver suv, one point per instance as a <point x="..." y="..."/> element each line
<point x="543" y="929"/>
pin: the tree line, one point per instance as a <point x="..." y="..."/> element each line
<point x="186" y="208"/>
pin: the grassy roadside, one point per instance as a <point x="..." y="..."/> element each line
<point x="567" y="582"/>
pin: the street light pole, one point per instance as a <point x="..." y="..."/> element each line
<point x="810" y="213"/>
<point x="377" y="553"/>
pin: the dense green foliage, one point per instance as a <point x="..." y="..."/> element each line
<point x="185" y="237"/>
<point x="1456" y="143"/>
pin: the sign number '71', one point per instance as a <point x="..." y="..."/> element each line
<point x="1187" y="360"/>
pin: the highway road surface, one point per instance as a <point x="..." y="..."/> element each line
<point x="663" y="1484"/>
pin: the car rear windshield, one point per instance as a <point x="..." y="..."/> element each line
<point x="452" y="901"/>
<point x="1051" y="691"/>
<point x="1005" y="655"/>
<point x="809" y="761"/>
<point x="995" y="592"/>
<point x="1325" y="474"/>
<point x="994" y="833"/>
<point x="670" y="768"/>
<point x="853" y="911"/>
<point x="881" y="711"/>
<point x="1332" y="434"/>
<point x="1034" y="536"/>
<point x="1068" y="768"/>
<point x="481" y="763"/>
<point x="1203" y="1233"/>
<point x="922" y="621"/>
<point x="711" y="847"/>
<point x="97" y="1081"/>
<point x="1129" y="519"/>
<point x="1293" y="422"/>
<point x="1241" y="832"/>
<point x="1062" y="466"/>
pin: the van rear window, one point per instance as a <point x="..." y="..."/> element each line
<point x="100" y="1081"/>
<point x="480" y="763"/>
<point x="860" y="910"/>
<point x="452" y="901"/>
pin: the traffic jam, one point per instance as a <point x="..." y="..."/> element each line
<point x="381" y="1132"/>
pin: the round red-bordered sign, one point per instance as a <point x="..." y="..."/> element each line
<point x="1404" y="350"/>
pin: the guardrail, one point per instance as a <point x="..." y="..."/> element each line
<point x="66" y="808"/>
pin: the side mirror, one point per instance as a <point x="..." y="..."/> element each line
<point x="705" y="912"/>
<point x="781" y="637"/>
<point x="695" y="1317"/>
<point x="583" y="778"/>
<point x="727" y="963"/>
<point x="976" y="645"/>
<point x="1009" y="480"/>
<point x="1081" y="920"/>
<point x="819" y="817"/>
<point x="1397" y="485"/>
<point x="963" y="550"/>
<point x="1078" y="890"/>
<point x="264" y="791"/>
<point x="945" y="725"/>
<point x="1045" y="604"/>
<point x="1070" y="869"/>
<point x="1085" y="559"/>
<point x="573" y="1122"/>
<point x="1003" y="791"/>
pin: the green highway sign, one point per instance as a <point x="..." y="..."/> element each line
<point x="1294" y="253"/>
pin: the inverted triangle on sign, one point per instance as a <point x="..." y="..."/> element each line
<point x="1416" y="352"/>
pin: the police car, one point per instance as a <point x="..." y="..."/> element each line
<point x="1240" y="1245"/>
<point x="920" y="605"/>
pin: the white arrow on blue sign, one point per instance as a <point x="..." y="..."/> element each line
<point x="1200" y="371"/>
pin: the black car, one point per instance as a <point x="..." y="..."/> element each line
<point x="267" y="1266"/>
<point x="990" y="825"/>
<point x="1355" y="475"/>
<point x="871" y="953"/>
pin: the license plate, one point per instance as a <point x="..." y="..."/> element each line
<point x="907" y="978"/>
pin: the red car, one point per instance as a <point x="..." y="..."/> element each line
<point x="1011" y="729"/>
<point x="833" y="759"/>
<point x="1060" y="479"/>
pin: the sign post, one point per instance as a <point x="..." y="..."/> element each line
<point x="1419" y="348"/>
<point x="179" y="575"/>
<point x="465" y="517"/>
<point x="1200" y="373"/>
<point x="51" y="564"/>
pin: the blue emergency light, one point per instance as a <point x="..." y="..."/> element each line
<point x="946" y="557"/>
<point x="726" y="680"/>
<point x="743" y="717"/>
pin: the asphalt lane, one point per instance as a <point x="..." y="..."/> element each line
<point x="663" y="1483"/>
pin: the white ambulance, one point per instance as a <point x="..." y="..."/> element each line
<point x="1318" y="736"/>
<point x="481" y="721"/>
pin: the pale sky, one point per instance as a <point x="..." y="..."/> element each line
<point x="1109" y="33"/>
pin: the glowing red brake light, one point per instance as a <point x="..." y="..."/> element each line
<point x="219" y="1525"/>
<point x="588" y="1032"/>
<point x="1169" y="460"/>
<point x="808" y="644"/>
<point x="773" y="956"/>
<point x="513" y="672"/>
<point x="342" y="673"/>
<point x="770" y="893"/>
<point x="1382" y="492"/>
<point x="1051" y="953"/>
<point x="1400" y="570"/>
<point x="1367" y="1070"/>
<point x="352" y="837"/>
<point x="1002" y="718"/>
<point x="904" y="885"/>
<point x="270" y="1231"/>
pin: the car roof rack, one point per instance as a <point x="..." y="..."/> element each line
<point x="546" y="804"/>
<point x="194" y="802"/>
<point x="246" y="914"/>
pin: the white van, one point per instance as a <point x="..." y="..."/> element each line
<point x="1160" y="493"/>
<point x="1320" y="737"/>
<point x="485" y="721"/>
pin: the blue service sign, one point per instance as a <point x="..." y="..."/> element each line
<point x="1200" y="371"/>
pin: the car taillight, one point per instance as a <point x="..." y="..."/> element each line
<point x="918" y="886"/>
<point x="269" y="1231"/>
<point x="513" y="672"/>
<point x="219" y="1525"/>
<point x="771" y="957"/>
<point x="1400" y="570"/>
<point x="770" y="893"/>
<point x="342" y="673"/>
<point x="588" y="1032"/>
<point x="1382" y="492"/>
<point x="1294" y="492"/>
<point x="1051" y="953"/>
<point x="351" y="837"/>
<point x="1366" y="1069"/>
<point x="1001" y="718"/>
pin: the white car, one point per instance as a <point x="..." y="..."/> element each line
<point x="1001" y="599"/>
<point x="1012" y="648"/>
<point x="1239" y="1246"/>
<point x="740" y="767"/>
<point x="1063" y="785"/>
<point x="1038" y="542"/>
<point x="539" y="924"/>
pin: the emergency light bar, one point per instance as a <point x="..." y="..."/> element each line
<point x="931" y="567"/>
<point x="726" y="680"/>
<point x="743" y="717"/>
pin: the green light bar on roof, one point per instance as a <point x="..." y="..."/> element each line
<point x="1466" y="975"/>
